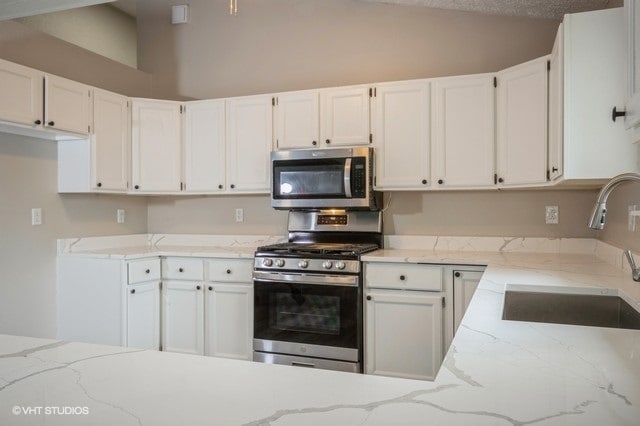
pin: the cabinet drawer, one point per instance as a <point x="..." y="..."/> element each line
<point x="143" y="270"/>
<point x="179" y="268"/>
<point x="231" y="270"/>
<point x="409" y="276"/>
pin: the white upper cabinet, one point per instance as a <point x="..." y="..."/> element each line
<point x="156" y="145"/>
<point x="297" y="119"/>
<point x="463" y="132"/>
<point x="401" y="133"/>
<point x="556" y="100"/>
<point x="249" y="140"/>
<point x="632" y="107"/>
<point x="110" y="141"/>
<point x="344" y="113"/>
<point x="67" y="105"/>
<point x="21" y="99"/>
<point x="522" y="124"/>
<point x="594" y="71"/>
<point x="204" y="146"/>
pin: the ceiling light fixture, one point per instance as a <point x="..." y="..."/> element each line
<point x="233" y="7"/>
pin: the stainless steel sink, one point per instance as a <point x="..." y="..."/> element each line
<point x="574" y="309"/>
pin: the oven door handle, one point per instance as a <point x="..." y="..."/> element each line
<point x="347" y="178"/>
<point x="314" y="279"/>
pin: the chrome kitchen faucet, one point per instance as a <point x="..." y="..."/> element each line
<point x="599" y="212"/>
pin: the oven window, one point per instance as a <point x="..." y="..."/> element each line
<point x="294" y="311"/>
<point x="303" y="313"/>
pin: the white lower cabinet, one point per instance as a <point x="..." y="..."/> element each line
<point x="228" y="320"/>
<point x="464" y="286"/>
<point x="183" y="317"/>
<point x="143" y="315"/>
<point x="404" y="333"/>
<point x="403" y="328"/>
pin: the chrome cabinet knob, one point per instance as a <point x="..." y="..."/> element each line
<point x="340" y="265"/>
<point x="267" y="262"/>
<point x="279" y="263"/>
<point x="303" y="264"/>
<point x="327" y="264"/>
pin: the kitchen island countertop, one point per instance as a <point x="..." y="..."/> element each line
<point x="496" y="372"/>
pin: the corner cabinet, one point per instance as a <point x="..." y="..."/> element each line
<point x="521" y="140"/>
<point x="463" y="132"/>
<point x="403" y="319"/>
<point x="156" y="128"/>
<point x="249" y="142"/>
<point x="402" y="134"/>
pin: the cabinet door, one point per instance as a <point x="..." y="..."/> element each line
<point x="556" y="108"/>
<point x="21" y="100"/>
<point x="110" y="141"/>
<point x="402" y="135"/>
<point x="182" y="317"/>
<point x="344" y="116"/>
<point x="403" y="334"/>
<point x="229" y="320"/>
<point x="522" y="124"/>
<point x="464" y="285"/>
<point x="143" y="315"/>
<point x="297" y="118"/>
<point x="155" y="145"/>
<point x="463" y="132"/>
<point x="67" y="105"/>
<point x="204" y="146"/>
<point x="249" y="136"/>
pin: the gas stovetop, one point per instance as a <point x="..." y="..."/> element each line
<point x="318" y="249"/>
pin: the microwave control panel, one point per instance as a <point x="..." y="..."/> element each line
<point x="358" y="177"/>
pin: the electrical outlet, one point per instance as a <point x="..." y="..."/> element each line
<point x="36" y="216"/>
<point x="551" y="215"/>
<point x="120" y="215"/>
<point x="239" y="215"/>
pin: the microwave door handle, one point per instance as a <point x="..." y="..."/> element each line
<point x="347" y="178"/>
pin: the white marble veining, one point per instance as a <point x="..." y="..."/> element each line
<point x="145" y="245"/>
<point x="495" y="373"/>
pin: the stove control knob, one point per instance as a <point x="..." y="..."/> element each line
<point x="340" y="265"/>
<point x="303" y="264"/>
<point x="279" y="263"/>
<point x="327" y="264"/>
<point x="267" y="262"/>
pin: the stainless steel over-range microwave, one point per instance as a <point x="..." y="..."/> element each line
<point x="323" y="179"/>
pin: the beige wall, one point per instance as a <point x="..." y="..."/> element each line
<point x="27" y="46"/>
<point x="102" y="29"/>
<point x="28" y="179"/>
<point x="276" y="45"/>
<point x="616" y="231"/>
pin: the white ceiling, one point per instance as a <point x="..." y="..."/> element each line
<point x="530" y="8"/>
<point x="10" y="9"/>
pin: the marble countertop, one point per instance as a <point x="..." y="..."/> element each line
<point x="496" y="372"/>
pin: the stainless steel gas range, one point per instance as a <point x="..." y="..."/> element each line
<point x="308" y="291"/>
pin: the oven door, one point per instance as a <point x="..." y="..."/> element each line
<point x="300" y="315"/>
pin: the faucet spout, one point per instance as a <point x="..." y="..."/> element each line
<point x="598" y="214"/>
